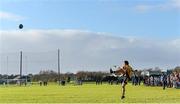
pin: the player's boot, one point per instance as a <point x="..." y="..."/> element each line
<point x="111" y="71"/>
<point x="122" y="97"/>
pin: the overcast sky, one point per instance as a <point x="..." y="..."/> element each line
<point x="91" y="35"/>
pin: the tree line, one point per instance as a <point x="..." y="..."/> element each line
<point x="52" y="76"/>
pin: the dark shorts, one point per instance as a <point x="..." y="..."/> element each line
<point x="125" y="80"/>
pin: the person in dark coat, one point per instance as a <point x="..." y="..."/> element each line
<point x="164" y="80"/>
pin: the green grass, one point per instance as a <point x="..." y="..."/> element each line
<point x="87" y="93"/>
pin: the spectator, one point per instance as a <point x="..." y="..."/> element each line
<point x="178" y="81"/>
<point x="174" y="80"/>
<point x="40" y="83"/>
<point x="168" y="81"/>
<point x="139" y="80"/>
<point x="171" y="80"/>
<point x="164" y="80"/>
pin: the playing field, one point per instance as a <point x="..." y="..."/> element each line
<point x="87" y="93"/>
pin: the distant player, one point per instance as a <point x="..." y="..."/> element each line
<point x="126" y="71"/>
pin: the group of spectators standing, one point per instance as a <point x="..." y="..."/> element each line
<point x="173" y="80"/>
<point x="166" y="80"/>
<point x="136" y="78"/>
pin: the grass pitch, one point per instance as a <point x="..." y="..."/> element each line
<point x="87" y="93"/>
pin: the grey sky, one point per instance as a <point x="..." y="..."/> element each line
<point x="83" y="50"/>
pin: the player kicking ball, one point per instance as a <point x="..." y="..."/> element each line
<point x="125" y="71"/>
